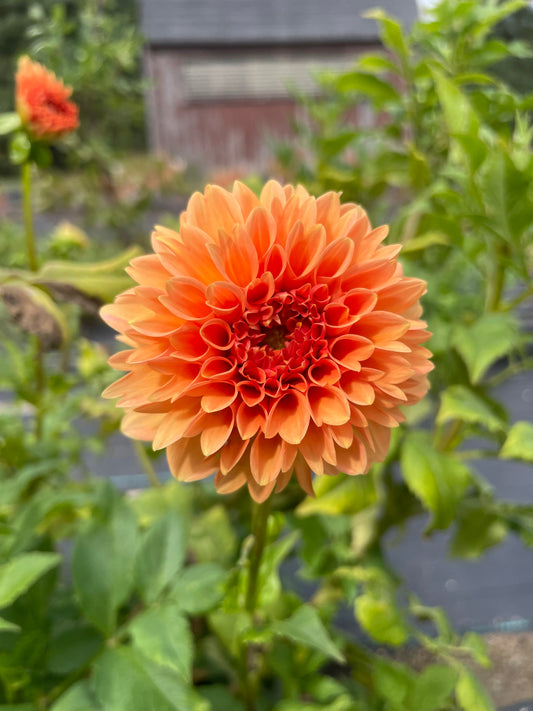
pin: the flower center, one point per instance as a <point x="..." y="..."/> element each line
<point x="275" y="337"/>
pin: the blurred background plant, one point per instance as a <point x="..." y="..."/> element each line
<point x="113" y="602"/>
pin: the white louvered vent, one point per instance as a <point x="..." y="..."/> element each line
<point x="266" y="78"/>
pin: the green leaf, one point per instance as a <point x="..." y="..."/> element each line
<point x="478" y="528"/>
<point x="160" y="556"/>
<point x="9" y="122"/>
<point x="72" y="649"/>
<point x="460" y="116"/>
<point x="102" y="567"/>
<point x="124" y="680"/>
<point x="219" y="698"/>
<point x="6" y="626"/>
<point x="460" y="403"/>
<point x="198" y="588"/>
<point x="519" y="442"/>
<point x="477" y="648"/>
<point x="380" y="617"/>
<point x="482" y="343"/>
<point x="393" y="680"/>
<point x="306" y="628"/>
<point x="436" y="478"/>
<point x="19" y="148"/>
<point x="164" y="636"/>
<point x="376" y="63"/>
<point x="470" y="693"/>
<point x="101" y="280"/>
<point x="433" y="687"/>
<point x="78" y="698"/>
<point x="506" y="196"/>
<point x="339" y="495"/>
<point x="424" y="241"/>
<point x="369" y="85"/>
<point x="391" y="33"/>
<point x="20" y="573"/>
<point x="212" y="538"/>
<point x="41" y="155"/>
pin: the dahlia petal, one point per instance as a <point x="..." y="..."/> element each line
<point x="136" y="387"/>
<point x="226" y="300"/>
<point x="250" y="420"/>
<point x="217" y="210"/>
<point x="188" y="343"/>
<point x="261" y="227"/>
<point x="219" y="396"/>
<point x="187" y="462"/>
<point x="232" y="451"/>
<point x="360" y="301"/>
<point x="276" y="262"/>
<point x="289" y="453"/>
<point x="252" y="393"/>
<point x="229" y="483"/>
<point x="272" y="190"/>
<point x="140" y="425"/>
<point x="400" y="295"/>
<point x="148" y="270"/>
<point x="260" y="493"/>
<point x="304" y="475"/>
<point x="303" y="249"/>
<point x="338" y="319"/>
<point x="235" y="256"/>
<point x="335" y="259"/>
<point x="216" y="431"/>
<point x="288" y="418"/>
<point x="367" y="247"/>
<point x="329" y="406"/>
<point x="282" y="481"/>
<point x="354" y="460"/>
<point x="368" y="275"/>
<point x="218" y="368"/>
<point x="324" y="372"/>
<point x="186" y="298"/>
<point x="342" y="434"/>
<point x="357" y="391"/>
<point x="174" y="425"/>
<point x="382" y="327"/>
<point x="217" y="334"/>
<point x="350" y="350"/>
<point x="246" y="198"/>
<point x="260" y="290"/>
<point x="265" y="458"/>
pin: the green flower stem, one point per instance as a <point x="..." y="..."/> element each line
<point x="248" y="680"/>
<point x="28" y="219"/>
<point x="40" y="378"/>
<point x="146" y="463"/>
<point x="259" y="528"/>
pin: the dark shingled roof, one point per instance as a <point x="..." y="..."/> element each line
<point x="272" y="22"/>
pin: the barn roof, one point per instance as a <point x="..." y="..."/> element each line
<point x="267" y="22"/>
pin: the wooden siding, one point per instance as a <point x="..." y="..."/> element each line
<point x="213" y="131"/>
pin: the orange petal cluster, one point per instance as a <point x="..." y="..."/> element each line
<point x="42" y="101"/>
<point x="272" y="336"/>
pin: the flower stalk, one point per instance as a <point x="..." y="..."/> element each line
<point x="28" y="217"/>
<point x="261" y="512"/>
<point x="259" y="531"/>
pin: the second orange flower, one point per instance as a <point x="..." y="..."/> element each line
<point x="43" y="102"/>
<point x="272" y="336"/>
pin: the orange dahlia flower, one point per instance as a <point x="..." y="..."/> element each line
<point x="271" y="336"/>
<point x="42" y="101"/>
